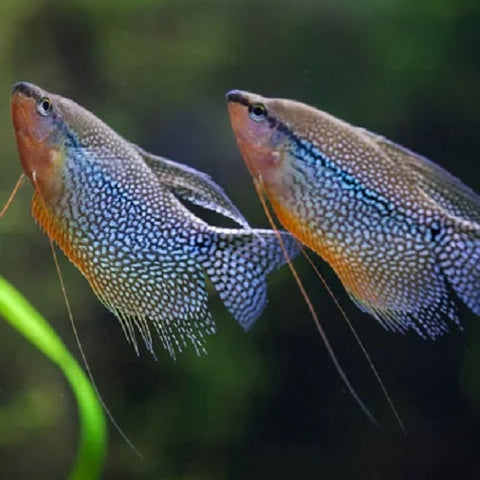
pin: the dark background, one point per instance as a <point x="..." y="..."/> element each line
<point x="267" y="404"/>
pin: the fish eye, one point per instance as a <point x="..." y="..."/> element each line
<point x="44" y="106"/>
<point x="257" y="112"/>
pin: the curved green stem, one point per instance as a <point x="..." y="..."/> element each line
<point x="93" y="438"/>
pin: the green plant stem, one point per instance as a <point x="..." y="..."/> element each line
<point x="93" y="437"/>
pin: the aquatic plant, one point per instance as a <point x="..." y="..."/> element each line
<point x="93" y="439"/>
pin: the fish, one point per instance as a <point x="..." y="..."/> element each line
<point x="121" y="216"/>
<point x="401" y="233"/>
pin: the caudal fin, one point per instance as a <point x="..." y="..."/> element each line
<point x="238" y="268"/>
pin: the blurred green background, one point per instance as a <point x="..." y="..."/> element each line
<point x="267" y="404"/>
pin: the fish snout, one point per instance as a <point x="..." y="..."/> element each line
<point x="27" y="89"/>
<point x="24" y="88"/>
<point x="237" y="96"/>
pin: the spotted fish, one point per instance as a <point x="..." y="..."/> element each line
<point x="117" y="213"/>
<point x="401" y="233"/>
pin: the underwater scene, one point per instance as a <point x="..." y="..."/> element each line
<point x="239" y="239"/>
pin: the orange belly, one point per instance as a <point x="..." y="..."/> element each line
<point x="354" y="276"/>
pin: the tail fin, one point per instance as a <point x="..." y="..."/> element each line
<point x="238" y="267"/>
<point x="460" y="260"/>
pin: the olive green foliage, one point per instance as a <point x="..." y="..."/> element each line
<point x="267" y="403"/>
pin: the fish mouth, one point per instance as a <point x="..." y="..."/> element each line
<point x="237" y="96"/>
<point x="26" y="89"/>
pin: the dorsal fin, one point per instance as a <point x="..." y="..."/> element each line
<point x="441" y="186"/>
<point x="193" y="186"/>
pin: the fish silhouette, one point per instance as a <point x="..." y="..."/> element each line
<point x="401" y="233"/>
<point x="116" y="211"/>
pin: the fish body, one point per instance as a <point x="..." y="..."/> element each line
<point x="116" y="212"/>
<point x="401" y="233"/>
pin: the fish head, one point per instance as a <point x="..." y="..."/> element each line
<point x="40" y="135"/>
<point x="263" y="141"/>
